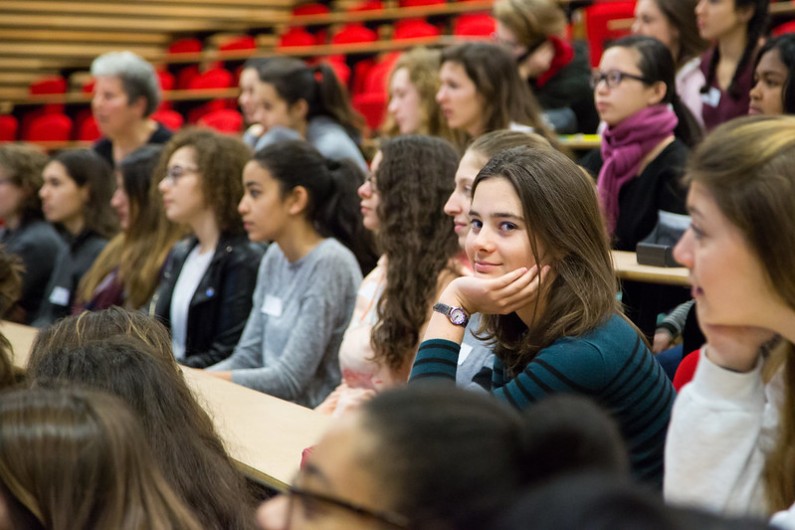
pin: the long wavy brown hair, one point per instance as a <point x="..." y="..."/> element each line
<point x="414" y="180"/>
<point x="561" y="208"/>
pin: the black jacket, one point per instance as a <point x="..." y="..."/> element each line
<point x="222" y="301"/>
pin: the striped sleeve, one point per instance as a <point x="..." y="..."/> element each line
<point x="436" y="358"/>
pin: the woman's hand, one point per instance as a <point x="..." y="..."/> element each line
<point x="736" y="348"/>
<point x="502" y="295"/>
<point x="662" y="341"/>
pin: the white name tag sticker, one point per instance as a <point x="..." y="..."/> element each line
<point x="59" y="296"/>
<point x="711" y="98"/>
<point x="272" y="306"/>
<point x="466" y="349"/>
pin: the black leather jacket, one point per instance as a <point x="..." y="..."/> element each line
<point x="221" y="303"/>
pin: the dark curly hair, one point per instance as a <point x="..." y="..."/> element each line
<point x="220" y="160"/>
<point x="414" y="180"/>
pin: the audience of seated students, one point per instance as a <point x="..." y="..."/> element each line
<point x="557" y="69"/>
<point x="730" y="441"/>
<point x="204" y="295"/>
<point x="24" y="232"/>
<point x="127" y="271"/>
<point x="297" y="101"/>
<point x="673" y="22"/>
<point x="126" y="93"/>
<point x="546" y="290"/>
<point x="433" y="456"/>
<point x="412" y="107"/>
<point x="597" y="501"/>
<point x="306" y="205"/>
<point x="480" y="91"/>
<point x="773" y="91"/>
<point x="75" y="197"/>
<point x="735" y="28"/>
<point x="402" y="203"/>
<point x="129" y="355"/>
<point x="476" y="357"/>
<point x="75" y="459"/>
<point x="643" y="153"/>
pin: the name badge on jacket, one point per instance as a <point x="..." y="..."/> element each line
<point x="272" y="306"/>
<point x="711" y="98"/>
<point x="59" y="296"/>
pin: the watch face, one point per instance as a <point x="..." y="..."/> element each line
<point x="458" y="317"/>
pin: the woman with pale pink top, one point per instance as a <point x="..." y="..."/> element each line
<point x="419" y="259"/>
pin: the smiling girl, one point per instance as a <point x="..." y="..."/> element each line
<point x="307" y="281"/>
<point x="545" y="288"/>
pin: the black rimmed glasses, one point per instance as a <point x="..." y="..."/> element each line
<point x="613" y="78"/>
<point x="311" y="504"/>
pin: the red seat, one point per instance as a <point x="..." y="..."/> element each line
<point x="87" y="130"/>
<point x="340" y="67"/>
<point x="55" y="84"/>
<point x="296" y="36"/>
<point x="224" y="120"/>
<point x="372" y="106"/>
<point x="244" y="42"/>
<point x="783" y="29"/>
<point x="474" y="25"/>
<point x="367" y="5"/>
<point x="8" y="128"/>
<point x="212" y="78"/>
<point x="49" y="128"/>
<point x="354" y="33"/>
<point x="196" y="113"/>
<point x="311" y="9"/>
<point x="185" y="46"/>
<point x="170" y="119"/>
<point x="418" y="3"/>
<point x="597" y="18"/>
<point x="414" y="29"/>
<point x="378" y="77"/>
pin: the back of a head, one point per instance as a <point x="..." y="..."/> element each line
<point x="75" y="459"/>
<point x="136" y="171"/>
<point x="746" y="165"/>
<point x="531" y="20"/>
<point x="138" y="77"/>
<point x="489" y="144"/>
<point x="594" y="501"/>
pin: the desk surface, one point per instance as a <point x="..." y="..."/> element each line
<point x="627" y="268"/>
<point x="264" y="435"/>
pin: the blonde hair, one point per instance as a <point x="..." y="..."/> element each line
<point x="530" y="20"/>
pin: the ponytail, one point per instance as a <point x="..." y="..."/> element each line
<point x="333" y="206"/>
<point x="333" y="101"/>
<point x="688" y="130"/>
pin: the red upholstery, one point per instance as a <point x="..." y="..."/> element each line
<point x="378" y="76"/>
<point x="195" y="114"/>
<point x="186" y="75"/>
<point x="474" y="25"/>
<point x="8" y="128"/>
<point x="360" y="72"/>
<point x="245" y="42"/>
<point x="372" y="106"/>
<point x="782" y="29"/>
<point x="413" y="29"/>
<point x="311" y="9"/>
<point x="417" y="3"/>
<point x="212" y="78"/>
<point x="170" y="119"/>
<point x="597" y="17"/>
<point x="49" y="128"/>
<point x="366" y="5"/>
<point x="223" y="120"/>
<point x="341" y="69"/>
<point x="48" y="85"/>
<point x="87" y="130"/>
<point x="353" y="33"/>
<point x="185" y="46"/>
<point x="296" y="36"/>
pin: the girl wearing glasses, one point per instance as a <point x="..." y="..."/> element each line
<point x="545" y="290"/>
<point x="672" y="23"/>
<point x="296" y="101"/>
<point x="128" y="270"/>
<point x="774" y="78"/>
<point x="735" y="28"/>
<point x="76" y="459"/>
<point x="306" y="288"/>
<point x="732" y="433"/>
<point x="75" y="197"/>
<point x="480" y="91"/>
<point x="643" y="153"/>
<point x="558" y="70"/>
<point x="394" y="300"/>
<point x="204" y="294"/>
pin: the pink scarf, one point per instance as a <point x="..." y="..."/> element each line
<point x="623" y="148"/>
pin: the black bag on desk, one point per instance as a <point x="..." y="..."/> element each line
<point x="657" y="248"/>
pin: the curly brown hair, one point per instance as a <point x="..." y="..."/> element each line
<point x="220" y="159"/>
<point x="414" y="180"/>
<point x="23" y="164"/>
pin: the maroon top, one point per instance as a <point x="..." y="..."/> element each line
<point x="719" y="106"/>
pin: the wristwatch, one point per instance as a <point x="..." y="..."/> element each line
<point x="456" y="315"/>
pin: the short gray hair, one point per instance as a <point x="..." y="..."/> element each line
<point x="137" y="76"/>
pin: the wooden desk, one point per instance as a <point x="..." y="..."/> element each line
<point x="264" y="435"/>
<point x="627" y="268"/>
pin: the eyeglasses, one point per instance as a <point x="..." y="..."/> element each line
<point x="613" y="78"/>
<point x="308" y="502"/>
<point x="371" y="181"/>
<point x="174" y="173"/>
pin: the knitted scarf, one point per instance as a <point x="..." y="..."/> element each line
<point x="623" y="148"/>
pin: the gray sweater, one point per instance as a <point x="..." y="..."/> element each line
<point x="300" y="311"/>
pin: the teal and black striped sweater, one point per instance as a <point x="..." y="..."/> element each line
<point x="611" y="364"/>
